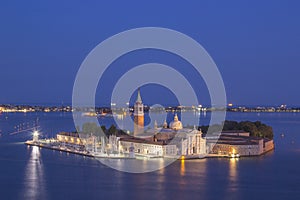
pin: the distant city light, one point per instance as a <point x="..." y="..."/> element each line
<point x="283" y="106"/>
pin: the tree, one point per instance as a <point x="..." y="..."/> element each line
<point x="230" y="125"/>
<point x="89" y="127"/>
<point x="103" y="128"/>
<point x="249" y="127"/>
<point x="78" y="129"/>
<point x="256" y="129"/>
<point x="112" y="130"/>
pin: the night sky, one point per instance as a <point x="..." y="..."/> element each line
<point x="255" y="44"/>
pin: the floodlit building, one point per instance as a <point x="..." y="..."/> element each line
<point x="166" y="142"/>
<point x="238" y="142"/>
<point x="138" y="115"/>
<point x="71" y="138"/>
<point x="172" y="140"/>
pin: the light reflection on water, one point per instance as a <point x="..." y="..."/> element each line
<point x="34" y="176"/>
<point x="272" y="176"/>
<point x="233" y="174"/>
<point x="139" y="165"/>
<point x="182" y="167"/>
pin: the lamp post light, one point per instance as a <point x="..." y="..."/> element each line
<point x="35" y="136"/>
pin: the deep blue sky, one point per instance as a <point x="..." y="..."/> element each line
<point x="255" y="44"/>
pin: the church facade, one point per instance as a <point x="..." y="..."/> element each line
<point x="167" y="141"/>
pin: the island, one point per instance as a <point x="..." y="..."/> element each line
<point x="171" y="140"/>
<point x="238" y="139"/>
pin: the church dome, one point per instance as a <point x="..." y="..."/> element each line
<point x="175" y="124"/>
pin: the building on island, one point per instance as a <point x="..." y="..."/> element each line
<point x="167" y="142"/>
<point x="138" y="115"/>
<point x="70" y="137"/>
<point x="237" y="142"/>
<point x="162" y="141"/>
<point x="171" y="140"/>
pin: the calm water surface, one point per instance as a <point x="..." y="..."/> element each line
<point x="33" y="173"/>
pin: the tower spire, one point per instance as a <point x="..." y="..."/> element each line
<point x="138" y="115"/>
<point x="139" y="98"/>
<point x="155" y="124"/>
<point x="165" y="125"/>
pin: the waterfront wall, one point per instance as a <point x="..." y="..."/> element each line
<point x="269" y="145"/>
<point x="242" y="150"/>
<point x="254" y="149"/>
<point x="142" y="148"/>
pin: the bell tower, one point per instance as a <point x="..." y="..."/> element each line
<point x="138" y="115"/>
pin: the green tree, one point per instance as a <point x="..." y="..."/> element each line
<point x="112" y="130"/>
<point x="248" y="127"/>
<point x="256" y="129"/>
<point x="78" y="129"/>
<point x="230" y="125"/>
<point x="103" y="128"/>
<point x="89" y="127"/>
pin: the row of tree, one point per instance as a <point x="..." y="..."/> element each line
<point x="91" y="127"/>
<point x="256" y="129"/>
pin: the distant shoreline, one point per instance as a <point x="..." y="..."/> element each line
<point x="7" y="108"/>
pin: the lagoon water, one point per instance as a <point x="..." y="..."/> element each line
<point x="33" y="173"/>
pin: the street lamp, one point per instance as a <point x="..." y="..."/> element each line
<point x="35" y="136"/>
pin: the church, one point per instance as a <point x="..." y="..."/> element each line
<point x="171" y="140"/>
